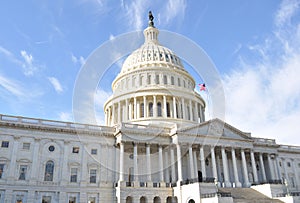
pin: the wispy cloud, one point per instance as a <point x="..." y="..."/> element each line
<point x="175" y="9"/>
<point x="56" y="84"/>
<point x="264" y="97"/>
<point x="11" y="86"/>
<point x="136" y="12"/>
<point x="81" y="60"/>
<point x="29" y="67"/>
<point x="65" y="116"/>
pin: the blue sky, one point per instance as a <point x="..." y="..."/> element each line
<point x="254" y="45"/>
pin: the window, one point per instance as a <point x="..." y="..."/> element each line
<point x="46" y="199"/>
<point x="5" y="144"/>
<point x="1" y="170"/>
<point x="92" y="200"/>
<point x="51" y="148"/>
<point x="159" y="109"/>
<point x="142" y="110"/>
<point x="19" y="198"/>
<point x="179" y="82"/>
<point x="72" y="199"/>
<point x="299" y="165"/>
<point x="165" y="80"/>
<point x="168" y="110"/>
<point x="94" y="151"/>
<point x="183" y="83"/>
<point x="93" y="175"/>
<point x="157" y="79"/>
<point x="150" y="109"/>
<point x="73" y="178"/>
<point x="288" y="164"/>
<point x="23" y="171"/>
<point x="172" y="80"/>
<point x="75" y="150"/>
<point x="26" y="145"/>
<point x="49" y="168"/>
<point x="149" y="80"/>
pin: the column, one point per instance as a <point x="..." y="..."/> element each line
<point x="113" y="115"/>
<point x="202" y="161"/>
<point x="191" y="162"/>
<point x="65" y="171"/>
<point x="130" y="111"/>
<point x="148" y="161"/>
<point x="179" y="163"/>
<point x="165" y="107"/>
<point x="225" y="167"/>
<point x="245" y="171"/>
<point x="191" y="110"/>
<point x="195" y="165"/>
<point x="35" y="160"/>
<point x="126" y="110"/>
<point x="135" y="163"/>
<point x="138" y="111"/>
<point x="145" y="106"/>
<point x="254" y="169"/>
<point x="201" y="117"/>
<point x="235" y="170"/>
<point x="109" y="116"/>
<point x="285" y="171"/>
<point x="14" y="153"/>
<point x="271" y="167"/>
<point x="121" y="162"/>
<point x="119" y="112"/>
<point x="154" y="107"/>
<point x="183" y="108"/>
<point x="134" y="108"/>
<point x="214" y="165"/>
<point x="296" y="173"/>
<point x="160" y="162"/>
<point x="261" y="161"/>
<point x="174" y="107"/>
<point x="278" y="168"/>
<point x="173" y="175"/>
<point x="167" y="172"/>
<point x="196" y="113"/>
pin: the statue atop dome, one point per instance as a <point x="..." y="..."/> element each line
<point x="151" y="23"/>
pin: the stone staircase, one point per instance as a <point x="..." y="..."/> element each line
<point x="245" y="195"/>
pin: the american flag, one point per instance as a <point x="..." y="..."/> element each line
<point x="202" y="87"/>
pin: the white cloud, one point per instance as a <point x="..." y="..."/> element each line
<point x="111" y="37"/>
<point x="81" y="60"/>
<point x="28" y="66"/>
<point x="287" y="9"/>
<point x="263" y="97"/>
<point x="11" y="86"/>
<point x="56" y="84"/>
<point x="136" y="13"/>
<point x="175" y="9"/>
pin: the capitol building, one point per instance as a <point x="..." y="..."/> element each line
<point x="156" y="146"/>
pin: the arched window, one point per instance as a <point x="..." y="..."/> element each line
<point x="142" y="110"/>
<point x="49" y="169"/>
<point x="191" y="201"/>
<point x="143" y="200"/>
<point x="188" y="112"/>
<point x="149" y="80"/>
<point x="129" y="199"/>
<point x="183" y="83"/>
<point x="179" y="82"/>
<point x="150" y="109"/>
<point x="156" y="199"/>
<point x="168" y="110"/>
<point x="165" y="80"/>
<point x="159" y="109"/>
<point x="172" y="80"/>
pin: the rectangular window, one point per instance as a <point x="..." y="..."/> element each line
<point x="94" y="151"/>
<point x="92" y="200"/>
<point x="23" y="171"/>
<point x="46" y="199"/>
<point x="93" y="176"/>
<point x="19" y="199"/>
<point x="73" y="175"/>
<point x="75" y="150"/>
<point x="5" y="144"/>
<point x="72" y="199"/>
<point x="1" y="170"/>
<point x="26" y="145"/>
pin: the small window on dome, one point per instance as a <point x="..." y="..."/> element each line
<point x="150" y="109"/>
<point x="149" y="80"/>
<point x="172" y="80"/>
<point x="142" y="110"/>
<point x="157" y="79"/>
<point x="165" y="80"/>
<point x="167" y="57"/>
<point x="179" y="82"/>
<point x="159" y="113"/>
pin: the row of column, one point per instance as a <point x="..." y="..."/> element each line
<point x="174" y="107"/>
<point x="193" y="170"/>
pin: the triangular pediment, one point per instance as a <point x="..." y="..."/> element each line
<point x="215" y="127"/>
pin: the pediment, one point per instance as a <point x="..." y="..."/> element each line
<point x="216" y="128"/>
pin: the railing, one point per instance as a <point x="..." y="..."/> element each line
<point x="144" y="127"/>
<point x="216" y="194"/>
<point x="264" y="141"/>
<point x="52" y="123"/>
<point x="275" y="181"/>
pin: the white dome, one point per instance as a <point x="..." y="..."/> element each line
<point x="151" y="53"/>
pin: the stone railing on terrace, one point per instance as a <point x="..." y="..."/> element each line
<point x="264" y="141"/>
<point x="289" y="148"/>
<point x="54" y="124"/>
